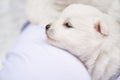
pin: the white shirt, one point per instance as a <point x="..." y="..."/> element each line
<point x="32" y="58"/>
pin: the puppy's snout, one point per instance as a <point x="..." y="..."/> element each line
<point x="48" y="26"/>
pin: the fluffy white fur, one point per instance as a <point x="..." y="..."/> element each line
<point x="47" y="11"/>
<point x="90" y="35"/>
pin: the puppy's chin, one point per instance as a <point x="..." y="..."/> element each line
<point x="54" y="42"/>
<point x="50" y="39"/>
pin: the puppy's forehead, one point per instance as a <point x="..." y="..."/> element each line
<point x="81" y="10"/>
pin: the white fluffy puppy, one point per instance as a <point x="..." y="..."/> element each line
<point x="90" y="35"/>
<point x="46" y="11"/>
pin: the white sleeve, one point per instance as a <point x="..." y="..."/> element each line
<point x="33" y="59"/>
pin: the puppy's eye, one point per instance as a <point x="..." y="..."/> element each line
<point x="68" y="25"/>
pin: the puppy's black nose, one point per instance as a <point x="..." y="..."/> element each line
<point x="48" y="26"/>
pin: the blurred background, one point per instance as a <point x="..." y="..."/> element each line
<point x="12" y="18"/>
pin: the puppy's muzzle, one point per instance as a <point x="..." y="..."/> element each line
<point x="47" y="26"/>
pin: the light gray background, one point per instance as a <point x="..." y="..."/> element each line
<point x="12" y="17"/>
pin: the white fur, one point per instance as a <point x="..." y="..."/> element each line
<point x="94" y="38"/>
<point x="47" y="11"/>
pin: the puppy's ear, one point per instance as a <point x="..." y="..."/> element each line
<point x="101" y="28"/>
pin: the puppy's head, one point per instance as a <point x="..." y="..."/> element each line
<point x="78" y="30"/>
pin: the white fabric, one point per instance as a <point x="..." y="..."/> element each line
<point x="32" y="58"/>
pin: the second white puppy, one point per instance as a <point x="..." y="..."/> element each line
<point x="90" y="35"/>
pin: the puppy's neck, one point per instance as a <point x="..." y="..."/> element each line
<point x="89" y="58"/>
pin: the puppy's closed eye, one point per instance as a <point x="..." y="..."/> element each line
<point x="68" y="25"/>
